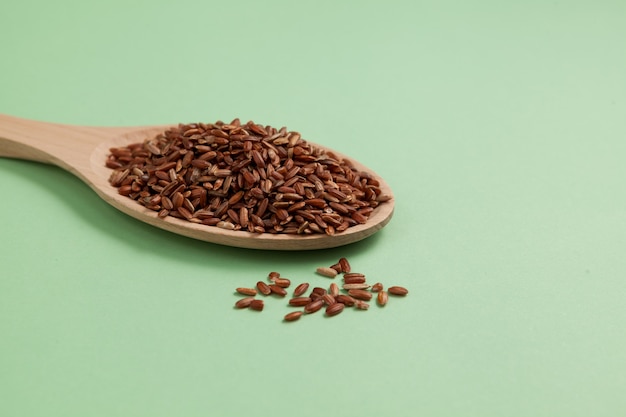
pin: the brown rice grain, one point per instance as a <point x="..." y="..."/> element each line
<point x="328" y="299"/>
<point x="246" y="291"/>
<point x="318" y="290"/>
<point x="396" y="290"/>
<point x="354" y="280"/>
<point x="300" y="289"/>
<point x="345" y="265"/>
<point x="382" y="298"/>
<point x="282" y="282"/>
<point x="223" y="224"/>
<point x="273" y="275"/>
<point x="353" y="275"/>
<point x="280" y="291"/>
<point x="334" y="309"/>
<point x="345" y="299"/>
<point x="357" y="286"/>
<point x="257" y="305"/>
<point x="300" y="301"/>
<point x="244" y="302"/>
<point x="263" y="288"/>
<point x="327" y="272"/>
<point x="360" y="294"/>
<point x="293" y="316"/>
<point x="314" y="306"/>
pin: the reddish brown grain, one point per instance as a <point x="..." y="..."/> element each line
<point x="397" y="290"/>
<point x="273" y="275"/>
<point x="244" y="302"/>
<point x="345" y="265"/>
<point x="337" y="267"/>
<point x="257" y="305"/>
<point x="300" y="301"/>
<point x="328" y="299"/>
<point x="282" y="282"/>
<point x="334" y="309"/>
<point x="382" y="298"/>
<point x="300" y="289"/>
<point x="314" y="306"/>
<point x="354" y="280"/>
<point x="333" y="289"/>
<point x="360" y="294"/>
<point x="246" y="291"/>
<point x="293" y="316"/>
<point x="278" y="290"/>
<point x="263" y="288"/>
<point x="345" y="299"/>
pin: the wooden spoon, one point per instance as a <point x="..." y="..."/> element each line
<point x="83" y="150"/>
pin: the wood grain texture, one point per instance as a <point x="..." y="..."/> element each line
<point x="82" y="150"/>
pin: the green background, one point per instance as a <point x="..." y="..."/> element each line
<point x="500" y="127"/>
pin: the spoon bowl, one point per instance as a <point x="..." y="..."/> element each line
<point x="83" y="150"/>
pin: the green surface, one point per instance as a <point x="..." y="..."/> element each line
<point x="499" y="125"/>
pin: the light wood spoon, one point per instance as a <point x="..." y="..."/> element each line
<point x="83" y="150"/>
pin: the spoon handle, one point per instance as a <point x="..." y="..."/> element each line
<point x="51" y="143"/>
